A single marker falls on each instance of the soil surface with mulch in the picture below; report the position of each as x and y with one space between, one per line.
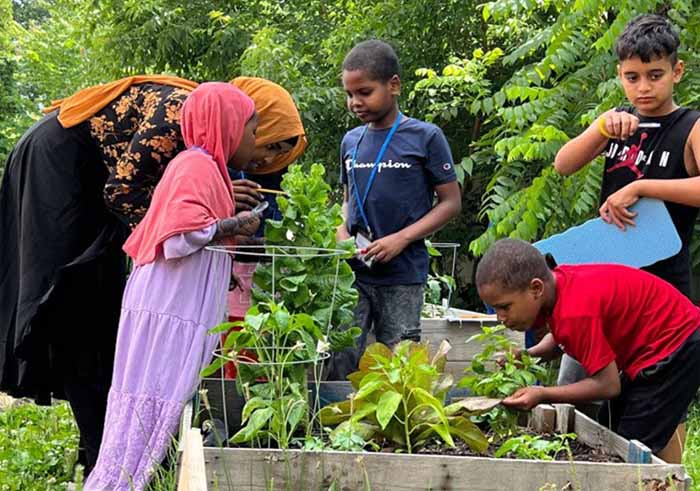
579 451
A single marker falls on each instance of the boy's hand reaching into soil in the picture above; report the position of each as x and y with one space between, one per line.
525 398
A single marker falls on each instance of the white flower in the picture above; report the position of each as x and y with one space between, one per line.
298 346
322 346
290 235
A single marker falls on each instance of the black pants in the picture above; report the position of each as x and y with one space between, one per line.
392 312
650 407
82 351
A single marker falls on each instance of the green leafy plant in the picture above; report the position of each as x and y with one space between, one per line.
486 378
280 347
438 288
535 447
400 401
301 299
320 286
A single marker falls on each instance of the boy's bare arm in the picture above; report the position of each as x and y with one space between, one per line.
579 151
546 349
342 232
449 205
602 386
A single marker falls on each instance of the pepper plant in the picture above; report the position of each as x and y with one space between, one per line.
486 378
274 384
535 447
400 401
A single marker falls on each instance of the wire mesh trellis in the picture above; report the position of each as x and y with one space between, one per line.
272 360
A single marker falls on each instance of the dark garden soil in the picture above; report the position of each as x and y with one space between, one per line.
579 451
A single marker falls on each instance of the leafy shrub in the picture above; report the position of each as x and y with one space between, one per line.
485 378
400 400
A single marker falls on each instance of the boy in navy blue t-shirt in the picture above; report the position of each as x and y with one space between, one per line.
391 168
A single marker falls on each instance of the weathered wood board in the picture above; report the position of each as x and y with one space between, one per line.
229 469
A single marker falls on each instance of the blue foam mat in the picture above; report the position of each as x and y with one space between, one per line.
652 239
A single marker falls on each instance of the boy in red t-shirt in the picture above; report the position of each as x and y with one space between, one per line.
637 337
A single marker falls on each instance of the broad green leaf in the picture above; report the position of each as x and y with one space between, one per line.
253 404
363 409
256 422
469 433
368 389
367 360
388 403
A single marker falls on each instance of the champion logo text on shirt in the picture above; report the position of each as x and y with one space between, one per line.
382 165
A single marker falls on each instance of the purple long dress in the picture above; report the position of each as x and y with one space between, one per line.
162 345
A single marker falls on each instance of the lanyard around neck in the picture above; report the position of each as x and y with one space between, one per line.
375 169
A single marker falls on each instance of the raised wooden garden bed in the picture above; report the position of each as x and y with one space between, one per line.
456 327
253 469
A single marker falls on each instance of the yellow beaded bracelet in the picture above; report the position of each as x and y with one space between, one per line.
601 128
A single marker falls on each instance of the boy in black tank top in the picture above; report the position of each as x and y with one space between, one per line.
651 149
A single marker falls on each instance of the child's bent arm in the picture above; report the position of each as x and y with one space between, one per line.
449 205
602 386
546 349
579 151
682 191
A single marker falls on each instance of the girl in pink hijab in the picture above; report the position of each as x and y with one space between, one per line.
177 290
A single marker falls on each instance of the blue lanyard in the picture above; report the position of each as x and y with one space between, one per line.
375 169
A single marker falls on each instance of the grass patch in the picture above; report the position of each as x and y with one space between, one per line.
691 456
38 448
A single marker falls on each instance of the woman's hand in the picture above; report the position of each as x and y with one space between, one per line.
246 194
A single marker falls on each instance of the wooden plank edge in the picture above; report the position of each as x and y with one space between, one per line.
185 424
193 475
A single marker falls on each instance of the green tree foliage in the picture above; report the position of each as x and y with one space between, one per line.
509 81
44 56
564 76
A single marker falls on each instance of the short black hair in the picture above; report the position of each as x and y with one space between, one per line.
375 57
512 264
648 36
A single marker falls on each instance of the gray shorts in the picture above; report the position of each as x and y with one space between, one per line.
392 312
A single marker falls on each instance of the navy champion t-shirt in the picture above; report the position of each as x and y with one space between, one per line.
417 159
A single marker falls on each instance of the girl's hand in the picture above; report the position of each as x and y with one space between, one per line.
248 223
246 194
244 224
